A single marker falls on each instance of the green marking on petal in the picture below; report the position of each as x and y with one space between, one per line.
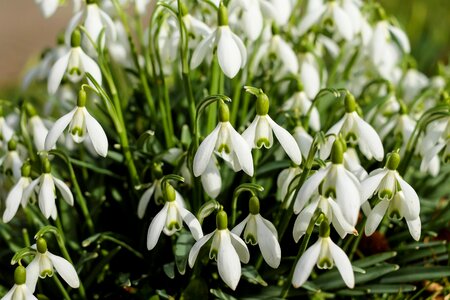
263 142
325 263
385 195
224 147
251 239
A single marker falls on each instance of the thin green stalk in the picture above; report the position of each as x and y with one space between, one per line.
213 90
236 100
61 288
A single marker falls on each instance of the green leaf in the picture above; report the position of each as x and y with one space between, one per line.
251 275
169 270
221 295
196 289
273 166
388 288
182 247
413 274
374 259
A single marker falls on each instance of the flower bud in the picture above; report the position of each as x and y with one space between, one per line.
337 153
81 102
75 39
262 104
324 229
12 145
170 193
350 103
20 275
223 15
254 205
393 161
157 171
46 166
222 220
41 245
224 112
25 170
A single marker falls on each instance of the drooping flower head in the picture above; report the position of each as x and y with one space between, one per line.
20 289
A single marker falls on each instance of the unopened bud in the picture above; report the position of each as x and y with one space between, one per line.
222 220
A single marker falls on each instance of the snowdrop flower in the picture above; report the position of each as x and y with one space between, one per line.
435 140
36 127
211 179
284 181
81 124
227 143
250 17
44 188
262 232
355 130
228 249
12 162
259 133
300 104
47 7
231 52
310 75
303 139
20 290
279 10
341 20
154 189
397 197
170 220
94 20
46 263
74 64
402 125
333 181
324 253
6 132
193 25
353 164
16 195
412 83
141 6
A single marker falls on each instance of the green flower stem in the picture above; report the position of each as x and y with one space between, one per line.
213 90
303 246
26 238
61 288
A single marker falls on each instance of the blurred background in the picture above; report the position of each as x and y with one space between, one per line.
24 33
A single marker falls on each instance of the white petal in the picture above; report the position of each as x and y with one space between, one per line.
288 56
211 179
286 140
303 220
192 222
202 49
401 37
64 190
348 195
29 190
196 248
342 263
47 195
252 22
343 23
242 150
306 264
369 137
414 227
240 247
242 49
309 20
268 243
32 274
97 134
109 28
10 293
65 269
375 217
311 78
143 202
49 7
237 230
13 201
250 132
412 202
57 72
73 23
91 67
370 184
156 227
204 152
228 262
228 53
339 218
57 129
308 188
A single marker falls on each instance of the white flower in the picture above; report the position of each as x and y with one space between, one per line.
38 130
259 134
353 164
396 195
355 130
303 139
81 124
227 143
435 140
284 181
310 75
11 162
401 125
16 195
45 264
211 179
279 10
227 248
248 15
6 132
231 52
301 104
48 7
44 187
262 232
20 290
170 220
325 253
74 64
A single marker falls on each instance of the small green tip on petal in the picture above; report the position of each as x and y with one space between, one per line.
350 103
324 229
12 145
75 39
25 170
224 112
337 153
223 15
262 104
20 275
170 193
222 220
81 102
393 161
254 205
41 245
